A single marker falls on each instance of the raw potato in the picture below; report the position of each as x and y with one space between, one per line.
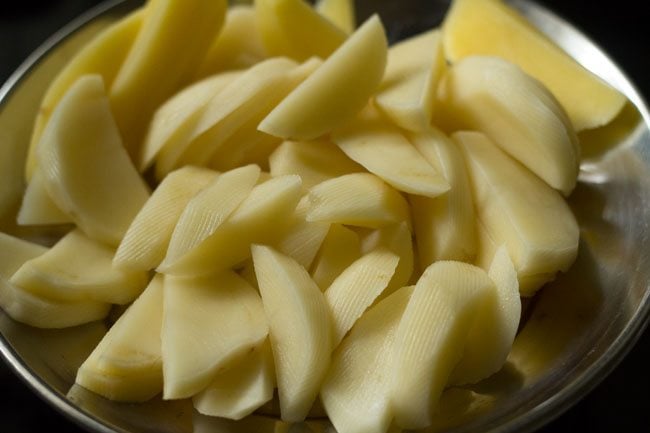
356 401
340 12
516 208
445 226
384 151
146 241
408 91
85 168
491 338
126 365
263 217
238 392
207 211
518 113
208 323
357 287
78 268
341 247
174 38
431 336
337 91
37 207
103 55
398 239
35 310
360 199
294 29
589 101
300 329
314 161
238 46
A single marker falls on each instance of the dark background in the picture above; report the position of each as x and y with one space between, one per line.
621 403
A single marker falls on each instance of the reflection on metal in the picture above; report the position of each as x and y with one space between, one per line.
576 330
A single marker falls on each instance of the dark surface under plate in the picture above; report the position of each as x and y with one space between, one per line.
621 403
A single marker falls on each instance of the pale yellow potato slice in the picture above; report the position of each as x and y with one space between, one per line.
78 268
407 93
398 239
103 55
146 241
488 27
174 38
37 208
179 114
208 323
357 287
491 338
340 12
519 210
355 401
126 365
208 210
85 168
238 46
338 90
35 310
294 29
431 337
304 238
241 390
383 150
314 161
263 217
496 97
445 226
341 247
359 199
300 330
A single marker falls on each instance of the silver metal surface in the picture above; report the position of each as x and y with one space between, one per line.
577 329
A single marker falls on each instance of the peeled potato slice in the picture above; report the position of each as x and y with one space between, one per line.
173 119
37 207
208 323
338 90
304 238
444 225
398 239
126 365
103 55
208 210
357 288
431 336
287 25
313 161
300 329
408 91
341 247
519 210
85 168
35 310
359 199
355 401
589 101
238 392
340 12
383 150
264 216
146 241
495 97
78 268
491 338
174 38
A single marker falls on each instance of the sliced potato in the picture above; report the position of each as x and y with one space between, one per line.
341 247
37 207
398 239
340 12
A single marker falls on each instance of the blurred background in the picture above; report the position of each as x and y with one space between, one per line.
621 403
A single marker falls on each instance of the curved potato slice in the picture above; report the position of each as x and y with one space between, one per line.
37 207
340 12
341 247
398 239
